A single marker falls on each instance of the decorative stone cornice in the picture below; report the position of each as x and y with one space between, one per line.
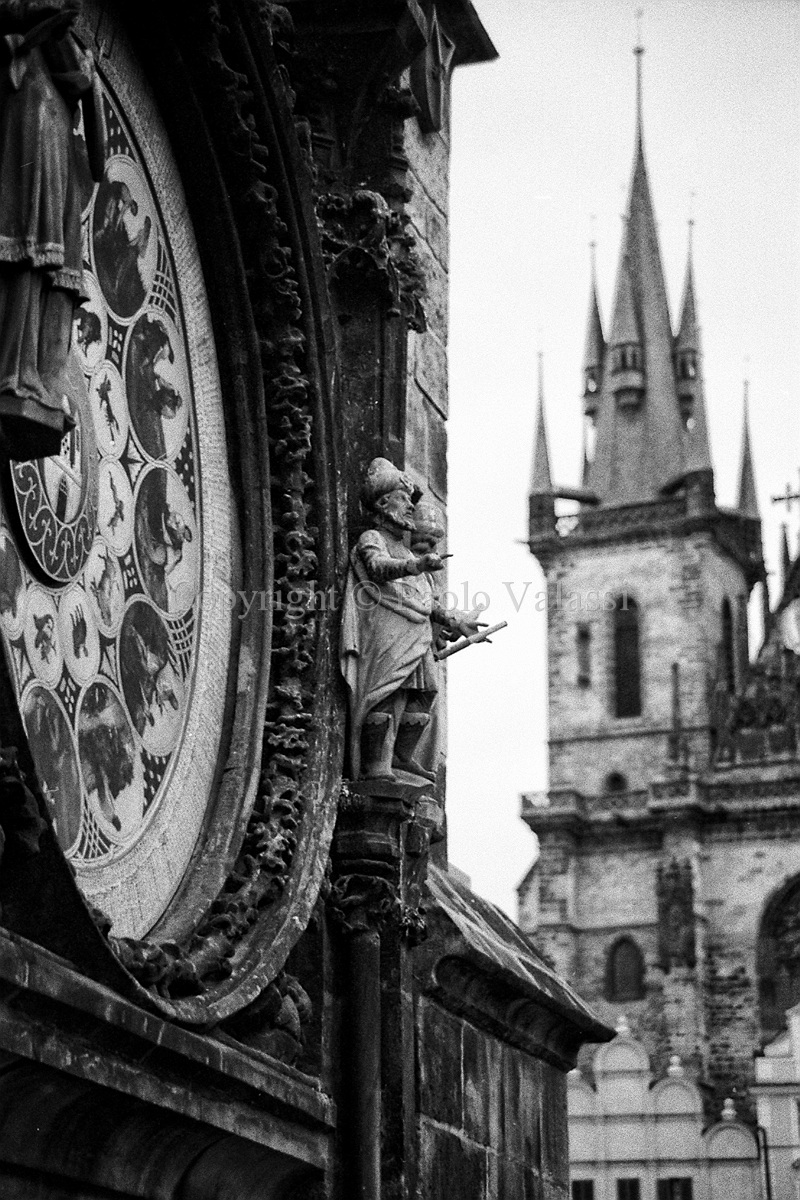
709 800
478 964
677 516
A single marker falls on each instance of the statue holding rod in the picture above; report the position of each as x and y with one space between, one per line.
44 76
387 647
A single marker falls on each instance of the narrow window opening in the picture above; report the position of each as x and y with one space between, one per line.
677 1188
583 638
627 664
625 972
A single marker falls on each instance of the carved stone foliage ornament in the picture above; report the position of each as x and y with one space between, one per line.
171 708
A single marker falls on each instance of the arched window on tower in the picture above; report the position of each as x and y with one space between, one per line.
728 649
778 960
627 658
625 971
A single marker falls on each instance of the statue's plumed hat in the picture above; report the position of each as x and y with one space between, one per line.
384 477
428 521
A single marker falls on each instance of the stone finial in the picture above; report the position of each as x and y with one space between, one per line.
622 1027
729 1110
675 1069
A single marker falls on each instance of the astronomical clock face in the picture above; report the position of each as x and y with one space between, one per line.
117 554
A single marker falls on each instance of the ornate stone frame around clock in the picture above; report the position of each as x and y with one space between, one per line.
260 861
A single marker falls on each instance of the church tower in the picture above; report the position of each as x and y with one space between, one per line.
649 580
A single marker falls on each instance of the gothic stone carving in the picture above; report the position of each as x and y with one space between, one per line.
265 860
676 924
387 642
44 76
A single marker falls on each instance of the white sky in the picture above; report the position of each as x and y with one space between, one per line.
541 139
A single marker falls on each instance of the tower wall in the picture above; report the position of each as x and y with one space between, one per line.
678 583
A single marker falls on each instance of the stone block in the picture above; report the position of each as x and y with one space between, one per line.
430 368
523 1107
428 159
451 1167
435 300
554 1147
416 433
483 1056
518 1182
439 1057
430 225
437 453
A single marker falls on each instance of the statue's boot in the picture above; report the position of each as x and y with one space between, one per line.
412 727
377 741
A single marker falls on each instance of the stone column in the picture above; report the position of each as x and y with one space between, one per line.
380 854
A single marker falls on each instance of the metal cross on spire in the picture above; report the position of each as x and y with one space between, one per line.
788 497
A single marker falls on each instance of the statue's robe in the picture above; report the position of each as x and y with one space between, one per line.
387 638
41 275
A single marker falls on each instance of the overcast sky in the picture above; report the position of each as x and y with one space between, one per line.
542 139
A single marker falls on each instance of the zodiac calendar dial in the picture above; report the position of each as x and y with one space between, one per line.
104 549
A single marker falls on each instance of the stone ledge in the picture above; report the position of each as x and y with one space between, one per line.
53 1015
478 964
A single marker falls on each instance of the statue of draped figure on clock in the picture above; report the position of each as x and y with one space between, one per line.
46 80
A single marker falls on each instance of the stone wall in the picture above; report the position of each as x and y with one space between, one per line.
426 392
585 892
679 584
492 1118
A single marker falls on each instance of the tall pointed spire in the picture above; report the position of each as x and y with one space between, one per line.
786 558
688 335
691 391
748 500
595 351
541 478
641 441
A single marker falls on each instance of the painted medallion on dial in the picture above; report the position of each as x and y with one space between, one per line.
100 611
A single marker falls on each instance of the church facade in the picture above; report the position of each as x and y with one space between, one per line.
666 881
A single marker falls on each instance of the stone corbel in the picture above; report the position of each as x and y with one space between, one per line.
380 856
339 96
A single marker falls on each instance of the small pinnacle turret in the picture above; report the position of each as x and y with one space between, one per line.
747 502
688 371
627 355
786 558
541 497
595 352
541 476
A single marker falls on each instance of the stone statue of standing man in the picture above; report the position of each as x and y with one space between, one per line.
44 76
388 633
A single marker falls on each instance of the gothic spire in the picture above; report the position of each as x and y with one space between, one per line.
595 351
541 478
786 558
688 368
641 440
688 335
748 500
